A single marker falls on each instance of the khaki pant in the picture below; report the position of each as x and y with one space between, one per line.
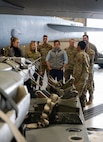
68 73
81 87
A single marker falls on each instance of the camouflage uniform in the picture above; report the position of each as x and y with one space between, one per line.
44 48
7 51
80 73
31 84
93 47
90 82
32 54
71 53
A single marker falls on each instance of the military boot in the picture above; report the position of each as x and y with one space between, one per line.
90 100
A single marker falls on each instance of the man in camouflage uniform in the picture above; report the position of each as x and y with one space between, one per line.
93 54
90 82
71 53
92 46
81 71
44 48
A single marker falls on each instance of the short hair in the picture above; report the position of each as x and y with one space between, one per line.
86 35
56 41
45 36
82 45
71 39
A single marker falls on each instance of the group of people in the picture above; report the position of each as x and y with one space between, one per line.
80 65
61 63
74 62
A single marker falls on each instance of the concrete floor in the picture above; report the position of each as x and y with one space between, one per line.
98 99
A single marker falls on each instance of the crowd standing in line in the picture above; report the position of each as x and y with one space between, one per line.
75 61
